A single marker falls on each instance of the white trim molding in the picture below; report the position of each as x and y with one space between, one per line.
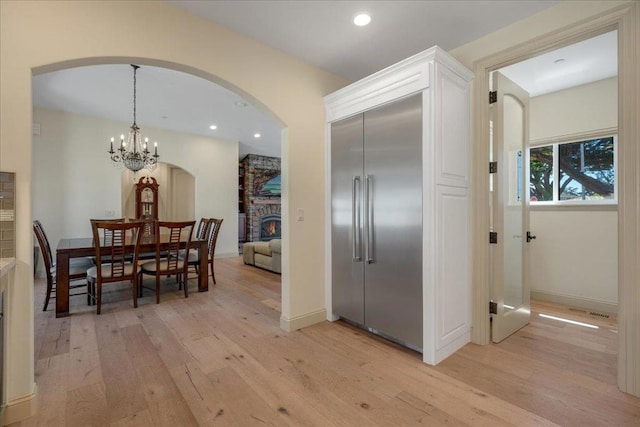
572 301
20 408
302 321
402 79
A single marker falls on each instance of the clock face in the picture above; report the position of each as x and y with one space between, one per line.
147 195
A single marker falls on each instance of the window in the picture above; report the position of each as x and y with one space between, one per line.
581 171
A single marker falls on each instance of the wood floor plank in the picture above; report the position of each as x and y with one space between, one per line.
243 404
471 405
204 399
123 388
87 406
84 357
165 402
140 419
166 343
56 339
219 358
51 376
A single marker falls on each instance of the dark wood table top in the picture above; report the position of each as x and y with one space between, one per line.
84 246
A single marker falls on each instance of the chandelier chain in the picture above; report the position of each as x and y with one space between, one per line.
134 153
135 70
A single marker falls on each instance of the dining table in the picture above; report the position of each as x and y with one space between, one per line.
69 248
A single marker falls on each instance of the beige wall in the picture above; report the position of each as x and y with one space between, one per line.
574 260
73 179
36 36
586 108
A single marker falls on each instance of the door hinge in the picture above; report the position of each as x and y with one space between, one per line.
493 307
493 237
493 96
493 167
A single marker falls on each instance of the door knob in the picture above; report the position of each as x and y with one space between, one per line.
530 236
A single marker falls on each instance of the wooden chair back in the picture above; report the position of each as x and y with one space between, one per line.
212 238
179 234
212 235
45 248
117 246
49 264
203 228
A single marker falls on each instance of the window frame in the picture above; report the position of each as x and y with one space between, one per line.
556 170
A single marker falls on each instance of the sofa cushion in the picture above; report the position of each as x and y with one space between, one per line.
262 248
247 253
275 245
267 255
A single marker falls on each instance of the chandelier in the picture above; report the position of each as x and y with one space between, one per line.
134 153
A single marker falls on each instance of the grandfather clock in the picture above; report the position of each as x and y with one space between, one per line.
147 198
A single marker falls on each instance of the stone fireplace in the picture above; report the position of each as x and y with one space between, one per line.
261 198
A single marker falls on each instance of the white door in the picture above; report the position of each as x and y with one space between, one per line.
510 208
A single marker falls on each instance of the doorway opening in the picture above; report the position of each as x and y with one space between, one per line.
205 134
565 177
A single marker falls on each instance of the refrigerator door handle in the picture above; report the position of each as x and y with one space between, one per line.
355 219
369 206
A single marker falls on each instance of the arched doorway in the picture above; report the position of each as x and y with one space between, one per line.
176 192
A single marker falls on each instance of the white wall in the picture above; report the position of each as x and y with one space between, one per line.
73 179
574 259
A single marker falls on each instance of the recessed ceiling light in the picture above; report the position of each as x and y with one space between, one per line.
213 127
362 19
256 135
559 61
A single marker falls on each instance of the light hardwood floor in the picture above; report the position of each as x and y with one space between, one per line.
219 358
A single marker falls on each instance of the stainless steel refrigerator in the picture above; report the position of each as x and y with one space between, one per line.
376 222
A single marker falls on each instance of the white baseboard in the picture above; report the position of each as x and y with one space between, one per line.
302 321
587 303
19 409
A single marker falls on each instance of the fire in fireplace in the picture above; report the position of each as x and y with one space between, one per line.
269 227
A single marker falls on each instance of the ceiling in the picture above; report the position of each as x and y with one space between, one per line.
319 32
165 99
584 62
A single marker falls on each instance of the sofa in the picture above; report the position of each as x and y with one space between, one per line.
267 255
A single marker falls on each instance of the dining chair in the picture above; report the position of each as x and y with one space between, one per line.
77 266
211 236
201 234
177 235
117 245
